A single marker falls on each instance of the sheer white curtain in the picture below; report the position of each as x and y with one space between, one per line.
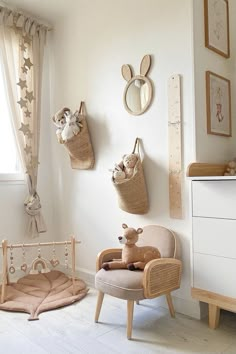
22 42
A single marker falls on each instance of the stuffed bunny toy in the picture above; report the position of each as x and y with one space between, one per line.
71 127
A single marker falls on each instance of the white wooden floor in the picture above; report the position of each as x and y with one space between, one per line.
72 330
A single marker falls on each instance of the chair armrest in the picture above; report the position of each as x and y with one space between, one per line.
161 276
107 255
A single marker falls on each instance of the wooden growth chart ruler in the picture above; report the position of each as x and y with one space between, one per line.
175 151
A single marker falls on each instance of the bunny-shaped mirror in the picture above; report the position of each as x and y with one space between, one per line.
138 91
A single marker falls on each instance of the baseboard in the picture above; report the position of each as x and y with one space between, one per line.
86 275
186 307
191 308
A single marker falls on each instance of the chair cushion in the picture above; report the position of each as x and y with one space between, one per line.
121 283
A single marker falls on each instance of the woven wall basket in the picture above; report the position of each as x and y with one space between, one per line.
132 193
80 147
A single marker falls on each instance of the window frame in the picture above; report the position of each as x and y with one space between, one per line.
12 178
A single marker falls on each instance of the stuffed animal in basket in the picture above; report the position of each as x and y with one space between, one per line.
60 121
67 124
129 162
133 257
72 127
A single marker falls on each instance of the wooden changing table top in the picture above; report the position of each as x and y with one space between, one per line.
207 171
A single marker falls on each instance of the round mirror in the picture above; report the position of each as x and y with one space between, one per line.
138 90
138 95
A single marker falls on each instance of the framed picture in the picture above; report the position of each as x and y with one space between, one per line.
218 104
216 15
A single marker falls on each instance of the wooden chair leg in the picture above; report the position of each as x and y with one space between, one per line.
214 316
170 305
99 305
130 312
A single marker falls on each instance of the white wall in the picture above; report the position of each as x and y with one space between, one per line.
91 43
212 148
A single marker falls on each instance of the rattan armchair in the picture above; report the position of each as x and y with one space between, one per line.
160 276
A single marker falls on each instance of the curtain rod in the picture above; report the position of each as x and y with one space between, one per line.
12 8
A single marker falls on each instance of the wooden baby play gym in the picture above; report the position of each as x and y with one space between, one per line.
42 288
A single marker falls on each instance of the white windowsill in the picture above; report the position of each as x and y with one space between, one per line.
12 178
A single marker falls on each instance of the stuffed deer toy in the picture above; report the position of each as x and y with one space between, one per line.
133 257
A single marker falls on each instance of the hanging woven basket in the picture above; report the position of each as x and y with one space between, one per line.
79 146
132 193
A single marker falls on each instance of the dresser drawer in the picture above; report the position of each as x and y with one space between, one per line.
214 199
214 236
215 274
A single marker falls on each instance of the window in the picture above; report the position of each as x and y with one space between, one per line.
10 167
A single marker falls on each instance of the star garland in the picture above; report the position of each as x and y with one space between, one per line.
27 113
29 96
25 101
25 128
27 63
28 149
23 47
22 84
22 103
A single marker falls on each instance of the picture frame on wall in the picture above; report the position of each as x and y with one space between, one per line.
218 103
216 16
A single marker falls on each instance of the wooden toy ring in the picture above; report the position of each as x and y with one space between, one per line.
12 270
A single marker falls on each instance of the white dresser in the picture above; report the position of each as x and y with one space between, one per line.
214 243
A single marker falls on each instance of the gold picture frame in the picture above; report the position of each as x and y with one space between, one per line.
218 103
216 16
